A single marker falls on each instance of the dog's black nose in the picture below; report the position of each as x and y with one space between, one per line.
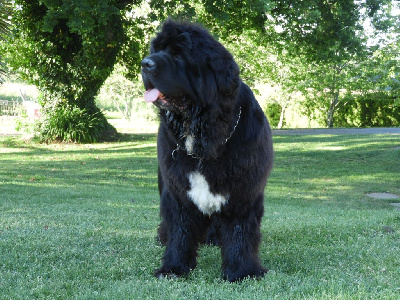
148 64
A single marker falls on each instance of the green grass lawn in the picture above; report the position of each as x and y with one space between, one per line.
79 222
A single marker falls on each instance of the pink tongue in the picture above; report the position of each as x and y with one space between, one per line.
151 95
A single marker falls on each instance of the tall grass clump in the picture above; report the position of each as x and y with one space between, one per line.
68 123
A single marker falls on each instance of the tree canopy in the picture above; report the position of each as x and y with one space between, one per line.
5 12
68 47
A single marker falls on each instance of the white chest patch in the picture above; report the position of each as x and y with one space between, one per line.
189 143
201 195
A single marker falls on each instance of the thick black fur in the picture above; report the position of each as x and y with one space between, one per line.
204 98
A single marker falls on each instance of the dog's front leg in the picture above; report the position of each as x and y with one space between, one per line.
184 227
240 240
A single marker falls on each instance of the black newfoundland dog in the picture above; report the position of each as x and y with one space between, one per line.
214 152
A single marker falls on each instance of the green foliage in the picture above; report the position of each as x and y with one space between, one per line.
325 31
125 96
139 27
69 46
327 87
330 40
273 111
380 72
5 12
71 124
369 110
224 15
255 58
68 49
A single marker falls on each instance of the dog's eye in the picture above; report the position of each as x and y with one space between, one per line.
177 57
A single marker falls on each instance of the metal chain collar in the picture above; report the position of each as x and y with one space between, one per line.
178 147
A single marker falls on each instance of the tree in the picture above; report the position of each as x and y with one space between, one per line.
68 48
139 24
239 24
5 12
378 79
287 77
324 37
122 92
329 35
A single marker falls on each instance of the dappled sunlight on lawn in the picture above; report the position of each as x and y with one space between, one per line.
72 208
331 148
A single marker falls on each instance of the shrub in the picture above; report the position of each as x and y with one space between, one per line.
371 110
71 124
273 112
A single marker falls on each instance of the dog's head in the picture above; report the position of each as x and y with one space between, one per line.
188 68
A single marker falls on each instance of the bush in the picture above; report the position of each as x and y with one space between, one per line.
273 113
71 124
372 110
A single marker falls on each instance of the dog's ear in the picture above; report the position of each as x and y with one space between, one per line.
219 81
184 41
226 75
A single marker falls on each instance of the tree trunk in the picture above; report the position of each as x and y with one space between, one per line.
334 97
332 108
282 115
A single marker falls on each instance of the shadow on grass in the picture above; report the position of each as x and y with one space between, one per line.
333 170
110 166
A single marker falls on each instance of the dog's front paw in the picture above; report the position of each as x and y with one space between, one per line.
162 275
170 273
238 275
